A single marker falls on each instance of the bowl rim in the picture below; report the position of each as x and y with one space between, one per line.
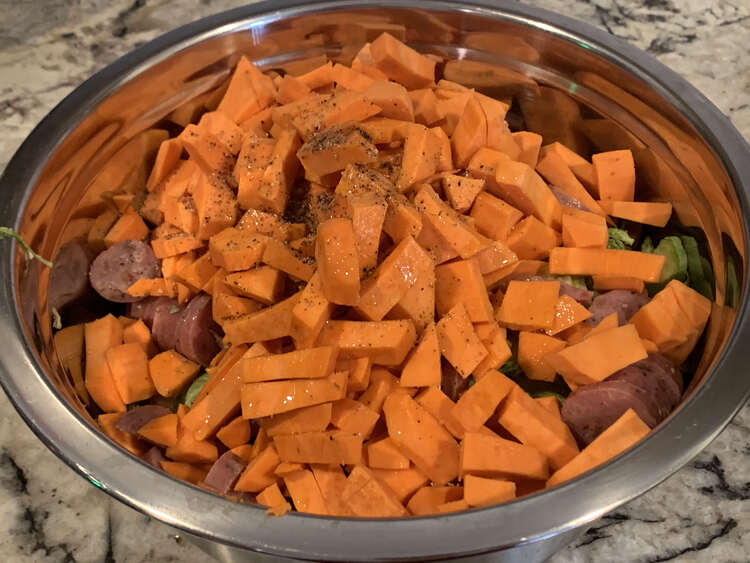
682 436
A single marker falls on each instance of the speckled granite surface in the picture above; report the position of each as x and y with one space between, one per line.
49 514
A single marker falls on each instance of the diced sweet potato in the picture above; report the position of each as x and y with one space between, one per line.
299 364
518 184
365 496
401 63
535 426
615 175
427 110
422 438
384 342
470 133
479 401
392 99
447 222
235 250
384 454
353 416
491 456
599 356
529 305
533 348
584 230
557 172
249 92
646 212
493 217
397 273
267 324
605 262
568 312
335 148
531 239
403 482
305 493
461 281
100 336
310 313
422 367
274 397
338 265
480 491
319 447
459 342
461 191
264 284
622 434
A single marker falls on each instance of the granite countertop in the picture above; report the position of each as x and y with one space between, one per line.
50 514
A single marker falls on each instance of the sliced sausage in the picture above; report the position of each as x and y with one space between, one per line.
154 457
451 383
166 322
132 420
224 473
196 338
144 309
591 409
564 198
68 278
657 362
584 296
657 387
120 266
624 303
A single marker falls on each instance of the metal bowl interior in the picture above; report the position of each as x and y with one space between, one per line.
573 84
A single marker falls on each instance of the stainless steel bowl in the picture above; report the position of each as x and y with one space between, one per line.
609 94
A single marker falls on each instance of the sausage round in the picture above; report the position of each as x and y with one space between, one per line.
624 303
68 278
144 309
196 338
591 409
583 296
224 473
154 457
134 419
120 266
166 321
655 381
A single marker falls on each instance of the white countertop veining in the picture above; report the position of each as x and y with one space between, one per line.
50 514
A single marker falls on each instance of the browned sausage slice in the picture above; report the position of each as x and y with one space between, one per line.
68 278
166 322
132 420
591 409
154 457
624 303
583 296
120 266
656 382
657 362
196 338
144 309
224 473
